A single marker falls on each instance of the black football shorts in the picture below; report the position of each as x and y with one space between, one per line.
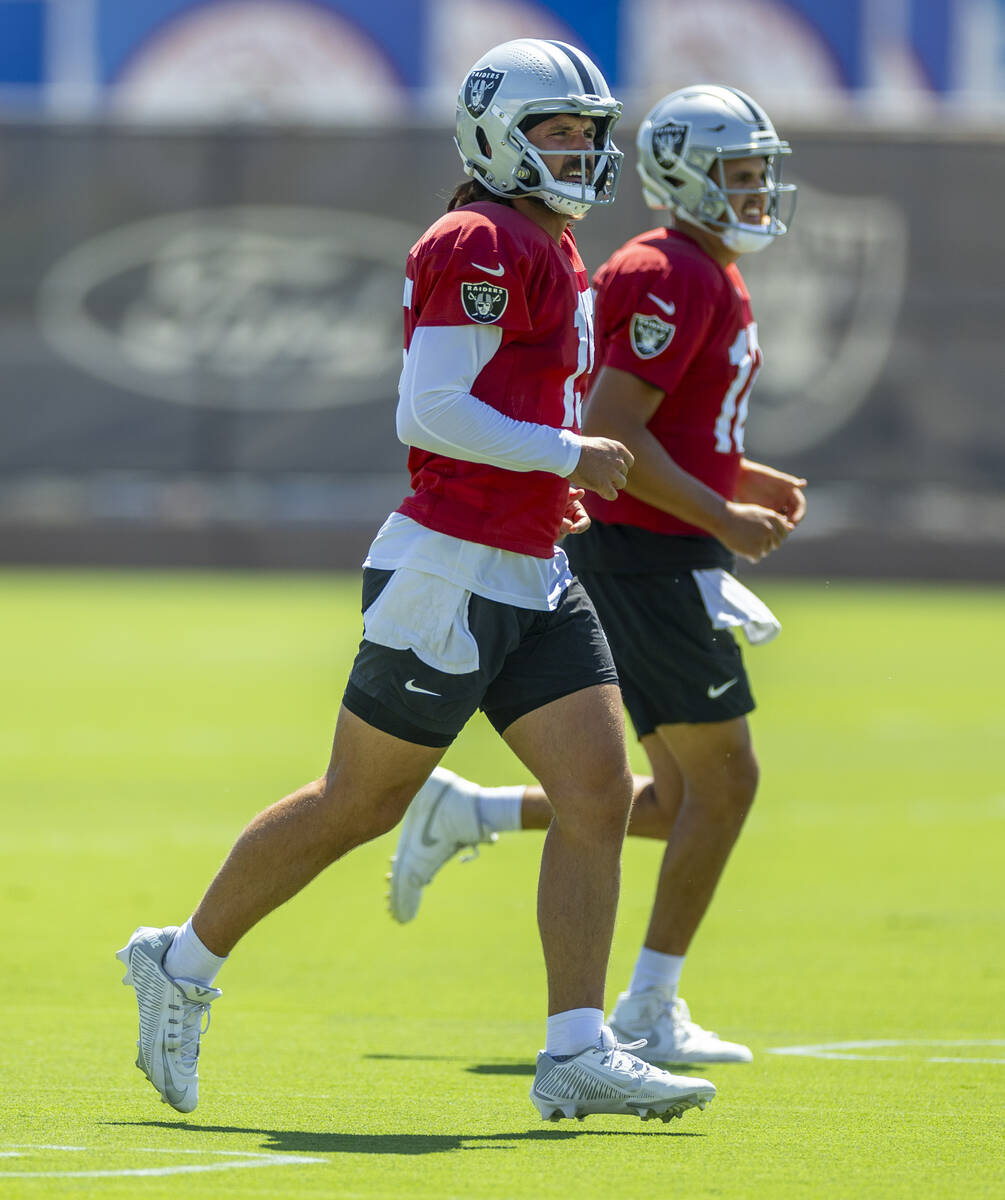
674 667
526 659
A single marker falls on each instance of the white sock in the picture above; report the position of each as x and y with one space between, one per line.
655 970
188 958
499 808
571 1031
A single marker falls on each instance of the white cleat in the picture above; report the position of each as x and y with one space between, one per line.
609 1078
671 1036
171 1014
441 820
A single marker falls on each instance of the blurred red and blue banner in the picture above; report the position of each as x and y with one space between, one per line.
365 59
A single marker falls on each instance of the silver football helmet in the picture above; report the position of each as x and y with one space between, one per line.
535 78
682 144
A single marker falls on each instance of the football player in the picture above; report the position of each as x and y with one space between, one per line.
678 352
467 601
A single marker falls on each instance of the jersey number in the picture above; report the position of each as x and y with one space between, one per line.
572 417
744 354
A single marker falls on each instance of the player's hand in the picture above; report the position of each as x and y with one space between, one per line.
772 489
603 466
752 531
575 519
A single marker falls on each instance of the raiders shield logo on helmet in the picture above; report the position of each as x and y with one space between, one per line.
479 88
650 336
669 141
484 302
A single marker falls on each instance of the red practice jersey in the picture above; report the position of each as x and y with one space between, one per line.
669 313
488 264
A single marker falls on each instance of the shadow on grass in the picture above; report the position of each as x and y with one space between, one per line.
520 1068
507 1068
299 1141
418 1057
495 1068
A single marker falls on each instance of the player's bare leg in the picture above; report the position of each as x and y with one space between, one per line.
720 771
370 780
652 816
575 747
700 831
586 776
279 852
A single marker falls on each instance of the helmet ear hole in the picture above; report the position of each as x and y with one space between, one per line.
483 142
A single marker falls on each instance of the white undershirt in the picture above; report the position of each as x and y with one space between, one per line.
437 412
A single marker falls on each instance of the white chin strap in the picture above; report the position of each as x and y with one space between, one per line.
748 239
565 204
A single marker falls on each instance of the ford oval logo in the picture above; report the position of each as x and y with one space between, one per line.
262 308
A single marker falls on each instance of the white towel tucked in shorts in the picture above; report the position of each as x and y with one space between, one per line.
730 604
425 614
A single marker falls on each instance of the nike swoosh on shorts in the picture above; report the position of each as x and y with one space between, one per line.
412 686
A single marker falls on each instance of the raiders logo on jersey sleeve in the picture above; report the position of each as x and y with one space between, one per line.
650 336
484 302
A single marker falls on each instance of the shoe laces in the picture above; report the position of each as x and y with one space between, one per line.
618 1056
194 1022
458 819
485 836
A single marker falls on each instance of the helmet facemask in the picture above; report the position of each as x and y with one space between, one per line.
741 236
599 167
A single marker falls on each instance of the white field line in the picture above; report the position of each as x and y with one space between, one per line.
240 1160
845 1050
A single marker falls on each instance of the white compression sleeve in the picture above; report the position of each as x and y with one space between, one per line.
437 412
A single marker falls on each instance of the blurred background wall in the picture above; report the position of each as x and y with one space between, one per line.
207 205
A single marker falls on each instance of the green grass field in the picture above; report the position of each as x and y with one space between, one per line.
148 716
